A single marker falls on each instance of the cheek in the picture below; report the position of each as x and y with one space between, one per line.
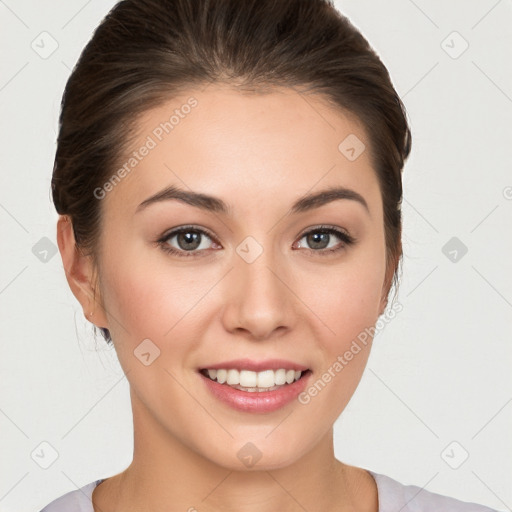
149 301
147 297
348 304
347 297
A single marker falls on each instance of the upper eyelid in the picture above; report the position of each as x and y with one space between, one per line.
179 229
175 231
326 227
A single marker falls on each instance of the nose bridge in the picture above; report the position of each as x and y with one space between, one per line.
258 301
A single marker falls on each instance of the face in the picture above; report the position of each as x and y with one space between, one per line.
260 280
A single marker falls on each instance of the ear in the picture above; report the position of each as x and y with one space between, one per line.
80 273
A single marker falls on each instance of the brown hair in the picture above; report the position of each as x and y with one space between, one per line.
145 51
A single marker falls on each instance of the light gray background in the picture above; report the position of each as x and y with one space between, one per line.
438 373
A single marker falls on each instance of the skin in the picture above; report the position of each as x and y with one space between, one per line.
291 302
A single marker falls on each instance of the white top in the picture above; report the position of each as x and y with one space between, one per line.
392 495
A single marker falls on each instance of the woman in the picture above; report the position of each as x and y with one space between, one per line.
228 179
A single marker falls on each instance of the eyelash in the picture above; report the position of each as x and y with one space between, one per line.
347 240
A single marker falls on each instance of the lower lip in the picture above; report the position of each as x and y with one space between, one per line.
257 401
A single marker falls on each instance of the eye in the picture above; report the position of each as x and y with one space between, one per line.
319 239
189 240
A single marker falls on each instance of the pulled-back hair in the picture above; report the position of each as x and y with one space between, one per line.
144 52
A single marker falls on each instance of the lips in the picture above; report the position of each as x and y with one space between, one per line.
255 399
255 366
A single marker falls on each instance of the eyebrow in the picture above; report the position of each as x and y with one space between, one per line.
214 204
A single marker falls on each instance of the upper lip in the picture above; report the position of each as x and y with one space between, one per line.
256 366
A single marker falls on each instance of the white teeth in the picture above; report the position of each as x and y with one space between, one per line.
280 377
233 377
248 379
265 379
221 376
253 381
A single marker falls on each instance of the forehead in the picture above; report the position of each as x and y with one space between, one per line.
245 146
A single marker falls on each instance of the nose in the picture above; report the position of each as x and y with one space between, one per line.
258 300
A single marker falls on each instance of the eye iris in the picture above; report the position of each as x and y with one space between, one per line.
189 238
318 238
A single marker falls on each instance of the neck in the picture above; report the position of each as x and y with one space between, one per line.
166 474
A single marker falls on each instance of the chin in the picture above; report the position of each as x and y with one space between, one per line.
257 454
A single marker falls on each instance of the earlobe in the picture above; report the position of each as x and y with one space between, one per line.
80 273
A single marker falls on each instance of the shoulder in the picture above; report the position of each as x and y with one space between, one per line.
78 500
410 498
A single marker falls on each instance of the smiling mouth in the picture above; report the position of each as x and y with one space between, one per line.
247 380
